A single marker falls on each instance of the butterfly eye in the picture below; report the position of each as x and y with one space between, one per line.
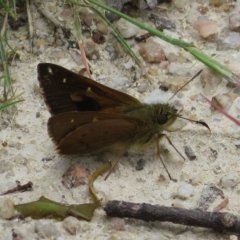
162 119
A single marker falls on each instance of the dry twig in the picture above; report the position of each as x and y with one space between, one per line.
30 27
19 188
218 221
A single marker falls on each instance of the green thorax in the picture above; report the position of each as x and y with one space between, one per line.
157 117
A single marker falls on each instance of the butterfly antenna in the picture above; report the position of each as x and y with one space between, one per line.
198 73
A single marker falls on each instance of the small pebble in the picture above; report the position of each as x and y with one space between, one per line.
163 88
38 114
129 64
185 191
216 3
206 28
21 121
152 51
202 9
234 19
6 208
179 3
91 50
47 159
140 164
230 180
102 27
75 176
118 224
126 28
196 179
142 87
210 81
48 230
189 152
162 22
112 52
238 104
233 237
71 224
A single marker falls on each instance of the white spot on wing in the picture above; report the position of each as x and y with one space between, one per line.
50 71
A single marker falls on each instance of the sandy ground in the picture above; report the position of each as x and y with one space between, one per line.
28 144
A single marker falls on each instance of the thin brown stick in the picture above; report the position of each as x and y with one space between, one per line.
19 188
150 213
30 26
5 22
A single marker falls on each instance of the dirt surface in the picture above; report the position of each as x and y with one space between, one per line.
30 155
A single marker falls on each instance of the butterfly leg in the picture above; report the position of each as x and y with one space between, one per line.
170 142
112 168
159 155
119 154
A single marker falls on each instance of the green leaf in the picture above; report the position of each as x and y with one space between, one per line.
46 208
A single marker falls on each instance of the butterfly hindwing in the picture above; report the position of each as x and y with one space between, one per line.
91 132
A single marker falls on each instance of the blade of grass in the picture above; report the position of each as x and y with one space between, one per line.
144 26
214 65
228 74
78 34
11 12
6 41
117 33
11 102
7 80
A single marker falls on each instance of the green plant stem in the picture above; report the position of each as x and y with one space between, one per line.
7 80
213 64
117 33
8 9
151 30
208 61
115 30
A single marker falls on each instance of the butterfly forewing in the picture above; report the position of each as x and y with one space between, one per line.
65 91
